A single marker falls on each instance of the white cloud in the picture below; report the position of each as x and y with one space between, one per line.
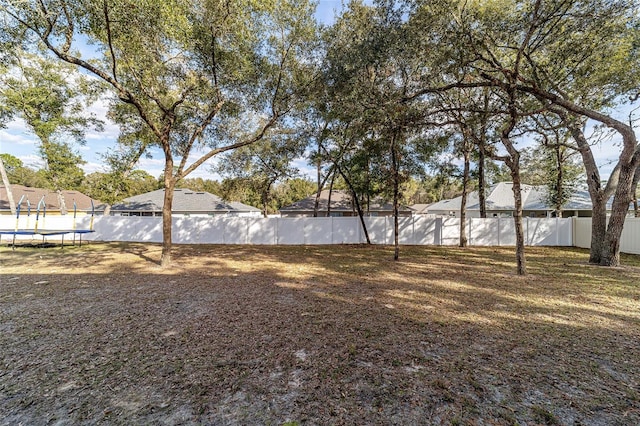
91 167
32 161
17 125
9 137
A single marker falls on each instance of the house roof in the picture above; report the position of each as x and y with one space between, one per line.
184 200
419 208
340 201
51 201
500 198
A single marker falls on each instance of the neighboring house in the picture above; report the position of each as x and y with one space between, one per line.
499 202
56 202
341 205
185 203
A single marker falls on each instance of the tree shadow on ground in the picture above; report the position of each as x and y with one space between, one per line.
315 334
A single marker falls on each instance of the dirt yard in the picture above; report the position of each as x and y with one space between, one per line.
336 335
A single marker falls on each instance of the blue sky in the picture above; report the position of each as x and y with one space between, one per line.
16 140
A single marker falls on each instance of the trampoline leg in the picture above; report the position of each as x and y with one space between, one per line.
62 244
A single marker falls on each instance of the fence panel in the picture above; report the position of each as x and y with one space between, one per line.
484 232
426 230
379 230
548 231
506 231
450 233
262 230
630 241
582 232
291 230
198 230
406 230
346 230
318 230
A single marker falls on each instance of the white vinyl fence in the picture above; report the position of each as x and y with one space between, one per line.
629 243
306 230
328 230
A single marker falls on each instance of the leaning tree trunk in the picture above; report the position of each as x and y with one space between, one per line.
619 209
628 162
357 203
597 193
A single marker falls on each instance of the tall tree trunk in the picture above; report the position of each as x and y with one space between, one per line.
316 205
265 199
513 162
167 207
7 187
559 182
368 186
465 193
396 192
636 181
482 182
333 179
320 183
517 216
482 192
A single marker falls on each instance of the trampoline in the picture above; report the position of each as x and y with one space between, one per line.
46 232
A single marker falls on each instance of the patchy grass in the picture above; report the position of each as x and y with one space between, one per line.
317 335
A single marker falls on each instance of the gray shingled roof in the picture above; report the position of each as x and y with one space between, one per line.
51 201
500 198
184 200
340 202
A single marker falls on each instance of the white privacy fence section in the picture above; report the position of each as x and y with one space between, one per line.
325 230
629 242
415 230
